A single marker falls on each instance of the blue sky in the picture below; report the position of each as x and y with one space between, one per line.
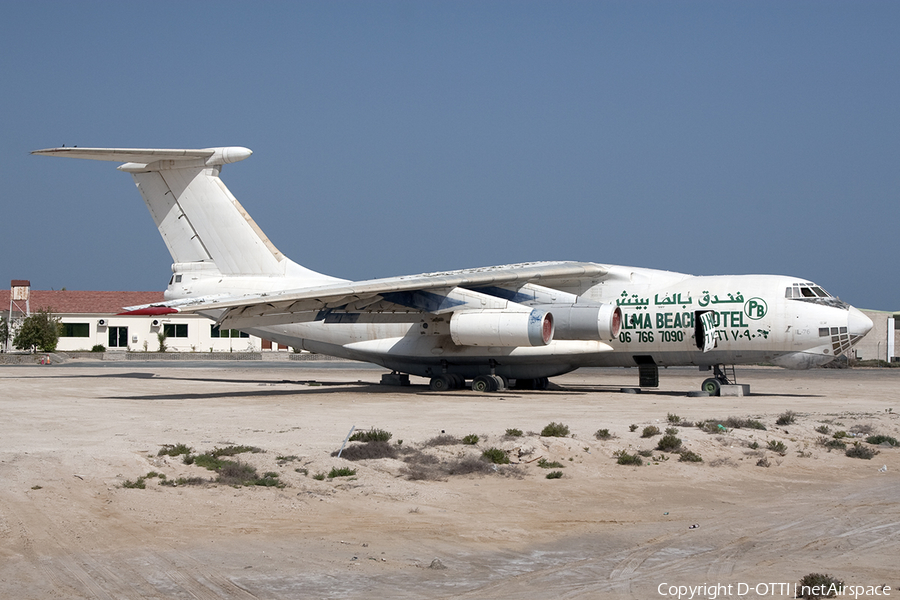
394 138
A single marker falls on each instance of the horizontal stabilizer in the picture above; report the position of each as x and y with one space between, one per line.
211 156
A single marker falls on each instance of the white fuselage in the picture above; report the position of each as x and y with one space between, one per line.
755 322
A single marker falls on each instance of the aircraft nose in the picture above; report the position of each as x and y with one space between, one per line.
858 324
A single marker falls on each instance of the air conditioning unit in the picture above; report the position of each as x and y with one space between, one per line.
155 322
102 323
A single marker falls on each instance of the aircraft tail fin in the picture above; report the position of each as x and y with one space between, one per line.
198 217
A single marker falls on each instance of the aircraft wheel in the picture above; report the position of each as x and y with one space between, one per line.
711 386
541 383
459 382
484 383
500 382
441 383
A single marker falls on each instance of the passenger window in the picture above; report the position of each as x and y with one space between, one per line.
823 332
178 279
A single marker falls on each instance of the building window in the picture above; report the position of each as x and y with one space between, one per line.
74 330
215 332
118 337
171 330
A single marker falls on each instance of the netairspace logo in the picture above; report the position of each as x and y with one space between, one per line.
711 591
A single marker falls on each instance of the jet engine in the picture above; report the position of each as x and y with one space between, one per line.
501 327
586 322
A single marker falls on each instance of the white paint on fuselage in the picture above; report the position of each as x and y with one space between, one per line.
755 323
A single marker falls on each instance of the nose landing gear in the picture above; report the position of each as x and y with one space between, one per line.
713 385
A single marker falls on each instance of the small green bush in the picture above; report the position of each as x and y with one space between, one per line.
857 450
673 418
786 418
840 434
174 450
823 429
496 456
650 431
555 430
371 435
629 459
671 430
877 440
777 446
514 432
632 427
137 484
831 444
341 472
669 443
645 453
319 476
689 456
603 434
98 348
554 474
470 439
546 464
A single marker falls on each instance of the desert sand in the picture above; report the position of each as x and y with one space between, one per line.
73 434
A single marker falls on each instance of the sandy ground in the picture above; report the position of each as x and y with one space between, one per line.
73 434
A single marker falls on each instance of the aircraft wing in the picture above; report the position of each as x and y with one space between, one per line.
428 293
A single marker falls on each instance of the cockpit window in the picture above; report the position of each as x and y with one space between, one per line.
810 292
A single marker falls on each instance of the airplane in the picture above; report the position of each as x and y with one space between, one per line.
514 324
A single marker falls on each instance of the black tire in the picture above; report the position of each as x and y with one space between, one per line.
711 386
483 383
441 383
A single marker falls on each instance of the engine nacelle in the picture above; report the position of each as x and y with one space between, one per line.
498 327
586 322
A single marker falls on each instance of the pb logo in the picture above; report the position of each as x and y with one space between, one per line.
755 308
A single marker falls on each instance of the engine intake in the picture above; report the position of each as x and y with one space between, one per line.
498 327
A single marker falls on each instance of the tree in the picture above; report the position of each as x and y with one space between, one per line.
40 330
4 333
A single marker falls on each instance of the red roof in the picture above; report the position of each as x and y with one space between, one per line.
80 302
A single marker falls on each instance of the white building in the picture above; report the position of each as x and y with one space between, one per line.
91 319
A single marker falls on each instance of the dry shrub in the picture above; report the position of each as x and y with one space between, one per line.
369 450
445 439
236 473
467 466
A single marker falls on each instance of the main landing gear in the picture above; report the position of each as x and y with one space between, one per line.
486 383
713 385
447 381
